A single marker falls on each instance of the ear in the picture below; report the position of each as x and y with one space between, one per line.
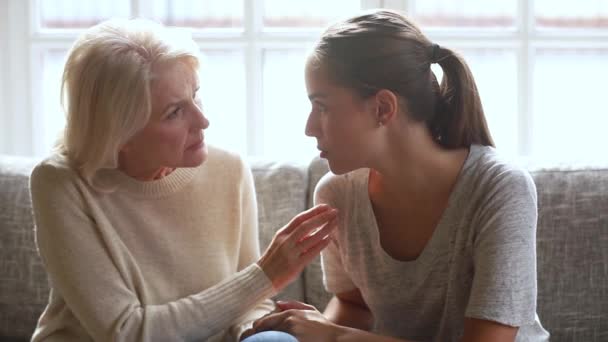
387 106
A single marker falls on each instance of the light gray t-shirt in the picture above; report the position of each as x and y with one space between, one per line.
479 263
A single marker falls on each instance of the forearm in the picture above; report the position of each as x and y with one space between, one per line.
350 315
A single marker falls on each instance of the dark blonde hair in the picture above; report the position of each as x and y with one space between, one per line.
106 87
384 50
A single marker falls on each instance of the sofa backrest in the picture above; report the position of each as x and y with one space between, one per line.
572 252
281 193
572 245
23 282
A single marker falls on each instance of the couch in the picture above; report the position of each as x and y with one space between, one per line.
572 245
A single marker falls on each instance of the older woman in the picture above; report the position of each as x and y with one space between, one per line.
145 232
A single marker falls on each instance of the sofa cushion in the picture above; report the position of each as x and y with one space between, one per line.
281 190
23 282
572 248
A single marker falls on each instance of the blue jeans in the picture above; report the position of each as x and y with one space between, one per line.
271 336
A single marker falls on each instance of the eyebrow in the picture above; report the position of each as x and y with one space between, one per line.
171 104
316 95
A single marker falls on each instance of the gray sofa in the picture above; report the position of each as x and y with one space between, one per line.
572 245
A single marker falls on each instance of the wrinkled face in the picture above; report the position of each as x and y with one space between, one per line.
174 135
340 120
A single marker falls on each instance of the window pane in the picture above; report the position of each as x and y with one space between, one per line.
570 113
306 14
465 13
80 13
222 90
571 14
286 106
51 116
199 13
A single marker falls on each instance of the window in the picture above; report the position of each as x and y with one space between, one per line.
539 65
252 83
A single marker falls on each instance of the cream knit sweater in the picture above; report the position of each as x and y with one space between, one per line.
166 260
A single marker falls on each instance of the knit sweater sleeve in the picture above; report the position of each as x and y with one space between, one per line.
78 260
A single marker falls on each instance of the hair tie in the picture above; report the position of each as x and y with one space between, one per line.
435 53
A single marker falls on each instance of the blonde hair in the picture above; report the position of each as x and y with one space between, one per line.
105 88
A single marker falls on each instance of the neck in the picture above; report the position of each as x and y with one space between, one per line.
415 166
142 172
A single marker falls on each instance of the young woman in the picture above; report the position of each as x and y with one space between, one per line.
436 236
146 233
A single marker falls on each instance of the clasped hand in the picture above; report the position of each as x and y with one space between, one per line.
301 320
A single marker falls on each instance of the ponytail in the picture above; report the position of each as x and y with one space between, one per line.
459 119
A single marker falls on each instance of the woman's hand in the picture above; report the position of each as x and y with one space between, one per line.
300 320
295 245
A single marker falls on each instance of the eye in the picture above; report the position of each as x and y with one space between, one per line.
174 114
319 107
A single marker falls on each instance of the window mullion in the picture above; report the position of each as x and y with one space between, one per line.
254 110
367 4
524 78
138 8
4 114
18 104
399 5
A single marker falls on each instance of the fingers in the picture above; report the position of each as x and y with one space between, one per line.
270 321
247 333
294 304
313 223
305 215
312 240
310 254
283 259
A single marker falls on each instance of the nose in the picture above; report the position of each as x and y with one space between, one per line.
311 126
201 120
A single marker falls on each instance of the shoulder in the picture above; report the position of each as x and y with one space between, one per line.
54 183
224 173
54 171
225 163
332 187
219 157
495 173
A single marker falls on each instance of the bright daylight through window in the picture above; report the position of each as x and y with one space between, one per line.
539 66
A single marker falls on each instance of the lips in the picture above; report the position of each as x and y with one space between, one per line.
323 152
197 144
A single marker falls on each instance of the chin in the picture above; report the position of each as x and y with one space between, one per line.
195 158
338 169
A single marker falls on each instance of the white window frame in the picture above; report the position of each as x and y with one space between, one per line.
21 40
525 38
